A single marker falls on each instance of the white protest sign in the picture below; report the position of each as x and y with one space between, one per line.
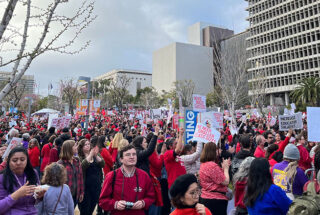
205 134
243 118
51 117
214 119
313 114
293 106
13 143
12 123
286 112
199 103
293 121
156 114
96 103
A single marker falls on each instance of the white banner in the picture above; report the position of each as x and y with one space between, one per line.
213 119
199 103
205 134
293 121
51 117
313 114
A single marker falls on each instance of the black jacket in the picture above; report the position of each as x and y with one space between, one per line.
144 154
237 160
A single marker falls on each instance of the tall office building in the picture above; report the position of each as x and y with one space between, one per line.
26 83
283 45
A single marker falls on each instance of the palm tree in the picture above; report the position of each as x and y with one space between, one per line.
308 92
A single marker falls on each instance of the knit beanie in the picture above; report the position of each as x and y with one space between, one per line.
291 152
181 184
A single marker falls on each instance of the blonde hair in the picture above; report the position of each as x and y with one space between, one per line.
123 143
116 140
66 150
291 171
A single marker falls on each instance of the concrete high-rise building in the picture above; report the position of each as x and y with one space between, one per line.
26 82
283 45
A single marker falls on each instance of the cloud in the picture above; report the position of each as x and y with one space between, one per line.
126 33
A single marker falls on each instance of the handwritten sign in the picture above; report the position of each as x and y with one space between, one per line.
214 119
199 103
206 134
293 121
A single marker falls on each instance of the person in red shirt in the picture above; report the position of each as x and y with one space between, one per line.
45 153
305 160
34 154
260 152
172 163
105 155
127 190
114 146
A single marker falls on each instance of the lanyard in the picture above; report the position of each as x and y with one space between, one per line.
24 180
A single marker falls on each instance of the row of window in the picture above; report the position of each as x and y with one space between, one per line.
263 5
285 32
287 43
287 56
259 16
285 20
297 66
288 80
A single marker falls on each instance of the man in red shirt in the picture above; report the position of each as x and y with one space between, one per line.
127 190
260 152
172 162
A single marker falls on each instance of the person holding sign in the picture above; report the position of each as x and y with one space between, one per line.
17 184
214 180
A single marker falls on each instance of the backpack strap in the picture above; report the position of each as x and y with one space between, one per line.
113 181
55 207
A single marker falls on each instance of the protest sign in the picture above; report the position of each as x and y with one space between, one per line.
293 106
293 121
190 124
272 121
51 117
214 119
206 134
13 143
313 114
155 113
199 103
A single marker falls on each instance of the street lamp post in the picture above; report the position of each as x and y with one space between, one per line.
88 80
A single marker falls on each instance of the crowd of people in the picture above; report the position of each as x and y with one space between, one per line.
116 167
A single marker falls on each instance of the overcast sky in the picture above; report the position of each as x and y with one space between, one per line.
126 33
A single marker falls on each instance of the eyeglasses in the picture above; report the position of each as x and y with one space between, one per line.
195 193
130 154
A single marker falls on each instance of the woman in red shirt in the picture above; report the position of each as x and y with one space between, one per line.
45 153
214 180
114 146
34 154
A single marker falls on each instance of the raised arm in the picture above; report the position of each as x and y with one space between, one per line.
179 146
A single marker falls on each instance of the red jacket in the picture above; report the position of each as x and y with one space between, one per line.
156 163
34 156
45 154
305 160
113 152
174 166
188 211
125 188
107 159
239 193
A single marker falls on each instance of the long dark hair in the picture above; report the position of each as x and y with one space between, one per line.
137 142
259 181
9 180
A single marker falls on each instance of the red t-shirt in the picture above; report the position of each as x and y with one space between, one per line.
45 154
174 166
259 153
239 192
34 156
156 163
